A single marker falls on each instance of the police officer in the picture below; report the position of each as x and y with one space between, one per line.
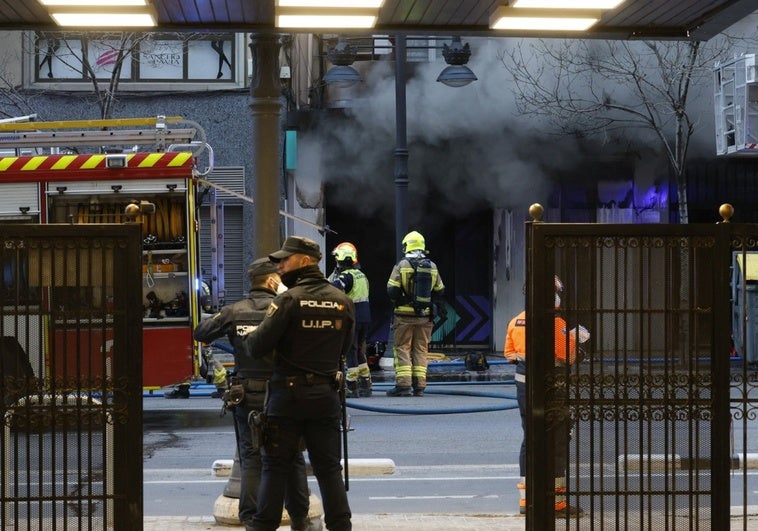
251 373
348 277
310 327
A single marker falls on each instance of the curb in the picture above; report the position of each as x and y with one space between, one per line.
222 468
664 462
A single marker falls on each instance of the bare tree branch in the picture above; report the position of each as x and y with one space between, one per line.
586 87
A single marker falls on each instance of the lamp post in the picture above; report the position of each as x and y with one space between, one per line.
265 107
401 148
457 74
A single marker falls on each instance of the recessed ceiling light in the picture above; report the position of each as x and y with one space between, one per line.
110 19
93 2
509 18
325 21
375 4
562 4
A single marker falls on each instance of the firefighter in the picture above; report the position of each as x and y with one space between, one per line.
565 353
348 277
251 375
416 289
311 328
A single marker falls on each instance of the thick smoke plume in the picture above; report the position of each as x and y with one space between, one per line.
468 149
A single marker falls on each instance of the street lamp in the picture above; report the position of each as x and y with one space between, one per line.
342 55
457 74
456 55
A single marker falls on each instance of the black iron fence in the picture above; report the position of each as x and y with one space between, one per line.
70 360
641 423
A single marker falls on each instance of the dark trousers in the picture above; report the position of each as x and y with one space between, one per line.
311 413
560 425
297 494
357 354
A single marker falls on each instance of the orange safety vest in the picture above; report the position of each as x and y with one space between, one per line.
515 339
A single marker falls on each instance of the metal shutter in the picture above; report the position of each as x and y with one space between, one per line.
232 178
15 196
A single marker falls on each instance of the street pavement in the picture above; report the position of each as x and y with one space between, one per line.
407 522
366 522
413 521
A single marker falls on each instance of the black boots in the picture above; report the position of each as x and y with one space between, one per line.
399 391
180 391
360 388
364 386
417 389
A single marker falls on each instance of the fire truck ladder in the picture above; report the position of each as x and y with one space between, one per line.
68 133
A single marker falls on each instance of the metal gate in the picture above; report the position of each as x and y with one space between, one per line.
637 430
71 366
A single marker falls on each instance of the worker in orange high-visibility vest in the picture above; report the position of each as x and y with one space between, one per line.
565 352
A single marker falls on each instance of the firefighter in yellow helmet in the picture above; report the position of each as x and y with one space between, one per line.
415 288
348 277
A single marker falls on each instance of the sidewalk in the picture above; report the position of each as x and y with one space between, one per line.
409 522
364 522
406 522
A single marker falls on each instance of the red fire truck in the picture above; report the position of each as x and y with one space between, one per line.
88 172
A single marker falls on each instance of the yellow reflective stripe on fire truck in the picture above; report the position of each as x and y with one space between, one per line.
6 162
150 160
34 163
180 158
92 162
63 162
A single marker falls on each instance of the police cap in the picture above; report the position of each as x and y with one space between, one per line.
297 245
261 267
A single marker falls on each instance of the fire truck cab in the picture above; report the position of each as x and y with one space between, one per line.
82 172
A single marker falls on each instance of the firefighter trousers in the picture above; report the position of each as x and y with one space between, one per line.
411 336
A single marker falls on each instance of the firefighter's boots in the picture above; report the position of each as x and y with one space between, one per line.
364 386
351 389
399 391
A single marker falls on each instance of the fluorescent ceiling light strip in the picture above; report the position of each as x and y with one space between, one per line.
350 4
563 4
93 2
325 17
509 18
325 21
110 19
544 24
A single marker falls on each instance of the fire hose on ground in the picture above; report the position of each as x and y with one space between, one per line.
434 411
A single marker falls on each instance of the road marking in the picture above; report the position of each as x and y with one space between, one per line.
456 497
352 480
438 478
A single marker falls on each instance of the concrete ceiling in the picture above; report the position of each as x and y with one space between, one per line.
633 19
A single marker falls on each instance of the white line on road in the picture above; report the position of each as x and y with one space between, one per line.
352 480
456 497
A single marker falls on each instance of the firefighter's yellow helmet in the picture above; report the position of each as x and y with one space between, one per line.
414 241
344 251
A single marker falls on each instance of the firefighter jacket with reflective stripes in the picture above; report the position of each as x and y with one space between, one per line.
515 340
401 292
310 327
355 285
235 321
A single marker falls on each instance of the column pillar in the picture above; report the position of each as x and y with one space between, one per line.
265 107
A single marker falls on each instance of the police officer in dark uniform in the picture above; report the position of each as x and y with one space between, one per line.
310 327
251 373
